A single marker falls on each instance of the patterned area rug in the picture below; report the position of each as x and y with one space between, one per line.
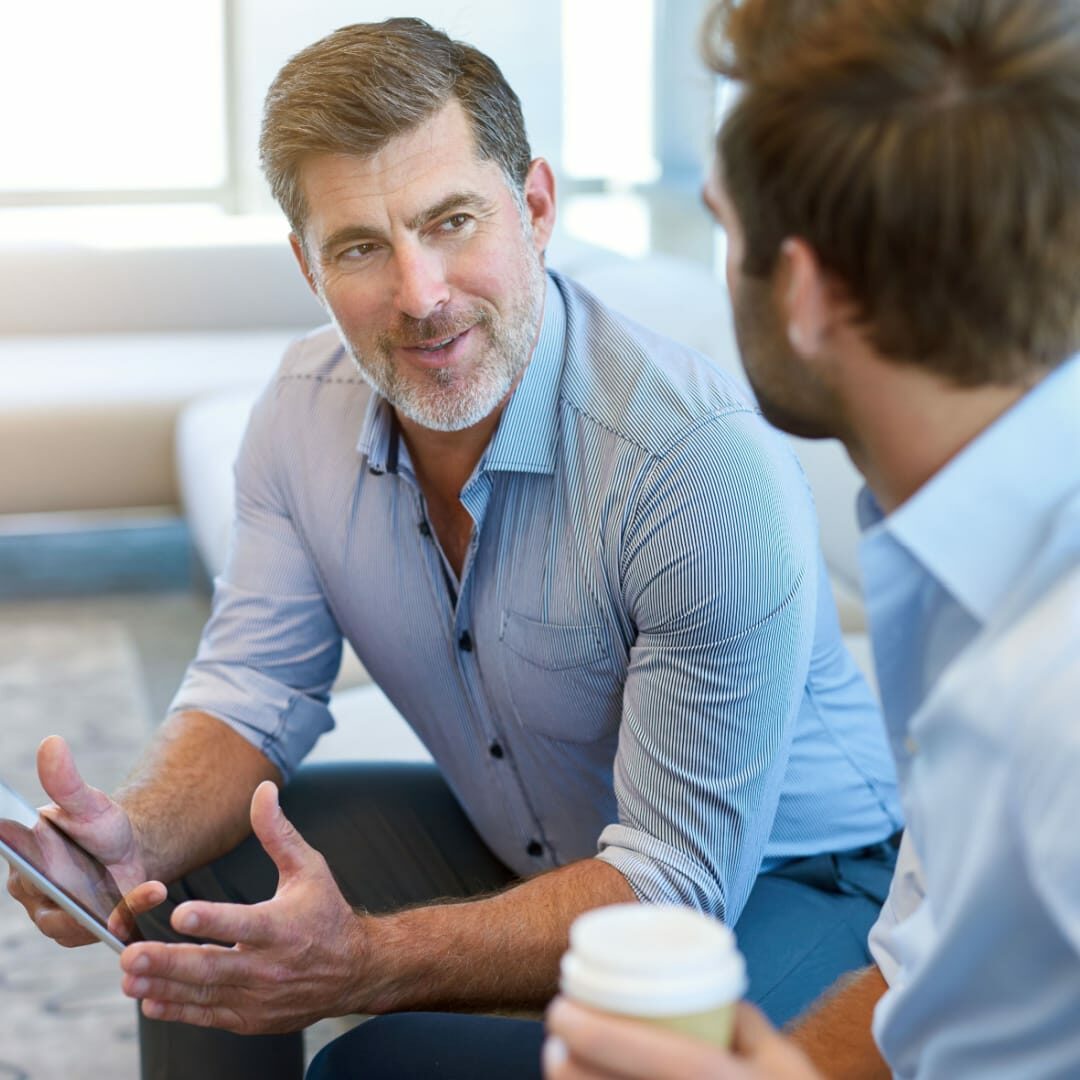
61 1011
62 1016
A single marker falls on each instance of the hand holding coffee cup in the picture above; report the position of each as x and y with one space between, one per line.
663 965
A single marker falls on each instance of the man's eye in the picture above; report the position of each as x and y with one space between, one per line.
455 222
358 251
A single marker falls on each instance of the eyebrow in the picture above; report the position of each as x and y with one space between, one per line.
458 200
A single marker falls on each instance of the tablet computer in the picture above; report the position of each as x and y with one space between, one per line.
65 872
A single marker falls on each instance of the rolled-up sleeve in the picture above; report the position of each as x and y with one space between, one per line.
720 576
271 648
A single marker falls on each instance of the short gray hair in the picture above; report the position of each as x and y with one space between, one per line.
359 87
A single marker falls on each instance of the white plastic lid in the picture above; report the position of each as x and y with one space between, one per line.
652 960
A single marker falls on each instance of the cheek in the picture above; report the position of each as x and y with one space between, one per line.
733 258
488 273
356 308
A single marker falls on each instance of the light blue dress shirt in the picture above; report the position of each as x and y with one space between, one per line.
641 658
973 595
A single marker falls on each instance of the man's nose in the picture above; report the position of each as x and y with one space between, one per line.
421 282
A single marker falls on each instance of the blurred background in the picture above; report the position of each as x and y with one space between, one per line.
133 215
147 290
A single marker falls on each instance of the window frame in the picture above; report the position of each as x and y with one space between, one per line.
225 195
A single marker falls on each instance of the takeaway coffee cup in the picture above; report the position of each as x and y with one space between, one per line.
660 964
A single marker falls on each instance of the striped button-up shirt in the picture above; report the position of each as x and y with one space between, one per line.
640 661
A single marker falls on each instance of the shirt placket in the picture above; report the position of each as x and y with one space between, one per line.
458 595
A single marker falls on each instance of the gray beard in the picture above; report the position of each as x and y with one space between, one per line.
442 399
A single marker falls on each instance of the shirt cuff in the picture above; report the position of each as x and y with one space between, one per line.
660 873
278 720
905 896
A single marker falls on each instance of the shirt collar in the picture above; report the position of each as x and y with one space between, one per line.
525 438
981 519
377 430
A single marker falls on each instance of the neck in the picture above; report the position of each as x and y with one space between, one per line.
905 423
444 460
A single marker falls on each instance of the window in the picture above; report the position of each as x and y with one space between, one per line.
608 91
122 100
637 125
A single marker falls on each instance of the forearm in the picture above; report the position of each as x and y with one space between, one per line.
189 794
835 1031
501 951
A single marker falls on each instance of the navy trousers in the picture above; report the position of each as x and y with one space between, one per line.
394 836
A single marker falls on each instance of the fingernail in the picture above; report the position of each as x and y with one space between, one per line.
140 964
189 920
555 1053
139 987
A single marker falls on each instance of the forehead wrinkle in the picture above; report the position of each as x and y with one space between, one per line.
432 157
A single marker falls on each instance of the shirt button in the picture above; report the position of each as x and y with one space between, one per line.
535 848
496 750
465 641
425 528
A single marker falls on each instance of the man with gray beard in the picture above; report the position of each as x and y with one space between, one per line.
572 555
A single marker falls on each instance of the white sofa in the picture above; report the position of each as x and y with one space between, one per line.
103 343
673 296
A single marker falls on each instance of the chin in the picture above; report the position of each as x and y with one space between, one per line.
803 425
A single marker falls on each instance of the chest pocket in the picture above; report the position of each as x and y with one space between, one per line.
563 681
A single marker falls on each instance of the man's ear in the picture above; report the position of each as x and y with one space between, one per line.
804 300
540 201
297 246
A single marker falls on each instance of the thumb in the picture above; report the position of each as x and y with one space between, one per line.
276 833
62 783
752 1029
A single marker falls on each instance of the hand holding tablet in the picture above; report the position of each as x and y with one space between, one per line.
69 876
70 894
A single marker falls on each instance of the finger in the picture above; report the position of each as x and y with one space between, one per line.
177 961
752 1029
140 900
57 924
50 919
145 897
198 1015
558 1065
21 889
278 835
175 992
247 924
631 1050
64 785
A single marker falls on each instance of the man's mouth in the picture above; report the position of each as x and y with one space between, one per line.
438 345
438 350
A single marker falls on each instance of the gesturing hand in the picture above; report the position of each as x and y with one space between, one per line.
96 822
297 957
585 1045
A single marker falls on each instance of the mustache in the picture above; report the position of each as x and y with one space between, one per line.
411 332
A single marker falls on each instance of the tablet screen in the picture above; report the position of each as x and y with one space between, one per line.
72 871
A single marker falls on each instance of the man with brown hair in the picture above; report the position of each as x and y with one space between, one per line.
571 553
900 185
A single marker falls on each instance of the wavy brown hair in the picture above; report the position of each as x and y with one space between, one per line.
929 152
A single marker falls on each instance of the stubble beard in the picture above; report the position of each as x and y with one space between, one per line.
446 398
771 368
